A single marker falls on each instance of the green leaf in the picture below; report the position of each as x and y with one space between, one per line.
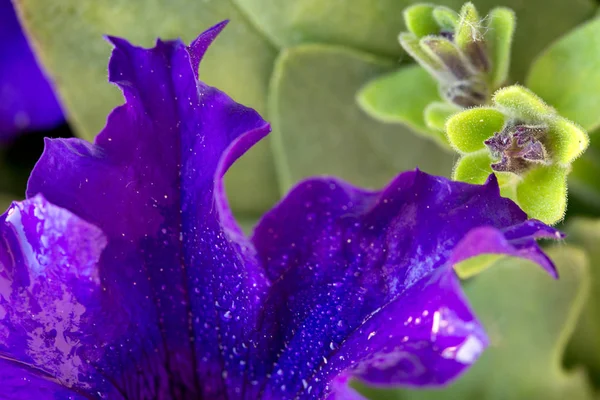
521 103
499 35
446 18
401 97
529 318
584 347
542 193
373 25
567 75
319 128
420 21
437 114
68 35
468 129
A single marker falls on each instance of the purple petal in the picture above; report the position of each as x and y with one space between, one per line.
49 288
125 276
363 283
19 383
27 101
172 274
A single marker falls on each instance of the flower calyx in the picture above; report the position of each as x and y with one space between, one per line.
525 143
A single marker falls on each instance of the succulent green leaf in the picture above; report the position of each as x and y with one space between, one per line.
529 318
437 114
469 26
446 18
584 347
319 128
401 97
499 35
68 35
567 75
473 167
565 141
521 103
542 193
419 20
468 129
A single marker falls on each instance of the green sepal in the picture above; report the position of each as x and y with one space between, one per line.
468 29
400 97
446 54
567 75
446 18
542 193
473 168
411 44
521 103
436 115
499 35
468 129
419 20
565 141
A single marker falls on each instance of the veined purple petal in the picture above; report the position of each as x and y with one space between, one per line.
27 101
362 282
125 276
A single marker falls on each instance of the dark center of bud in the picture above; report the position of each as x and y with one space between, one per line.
464 82
467 93
518 147
447 34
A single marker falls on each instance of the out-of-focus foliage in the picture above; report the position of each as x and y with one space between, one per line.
67 34
584 348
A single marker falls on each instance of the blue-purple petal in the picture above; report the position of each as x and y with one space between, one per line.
363 282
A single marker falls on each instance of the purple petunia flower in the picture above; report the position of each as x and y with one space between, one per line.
125 276
27 101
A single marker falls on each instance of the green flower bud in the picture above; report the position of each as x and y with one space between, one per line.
466 54
525 143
